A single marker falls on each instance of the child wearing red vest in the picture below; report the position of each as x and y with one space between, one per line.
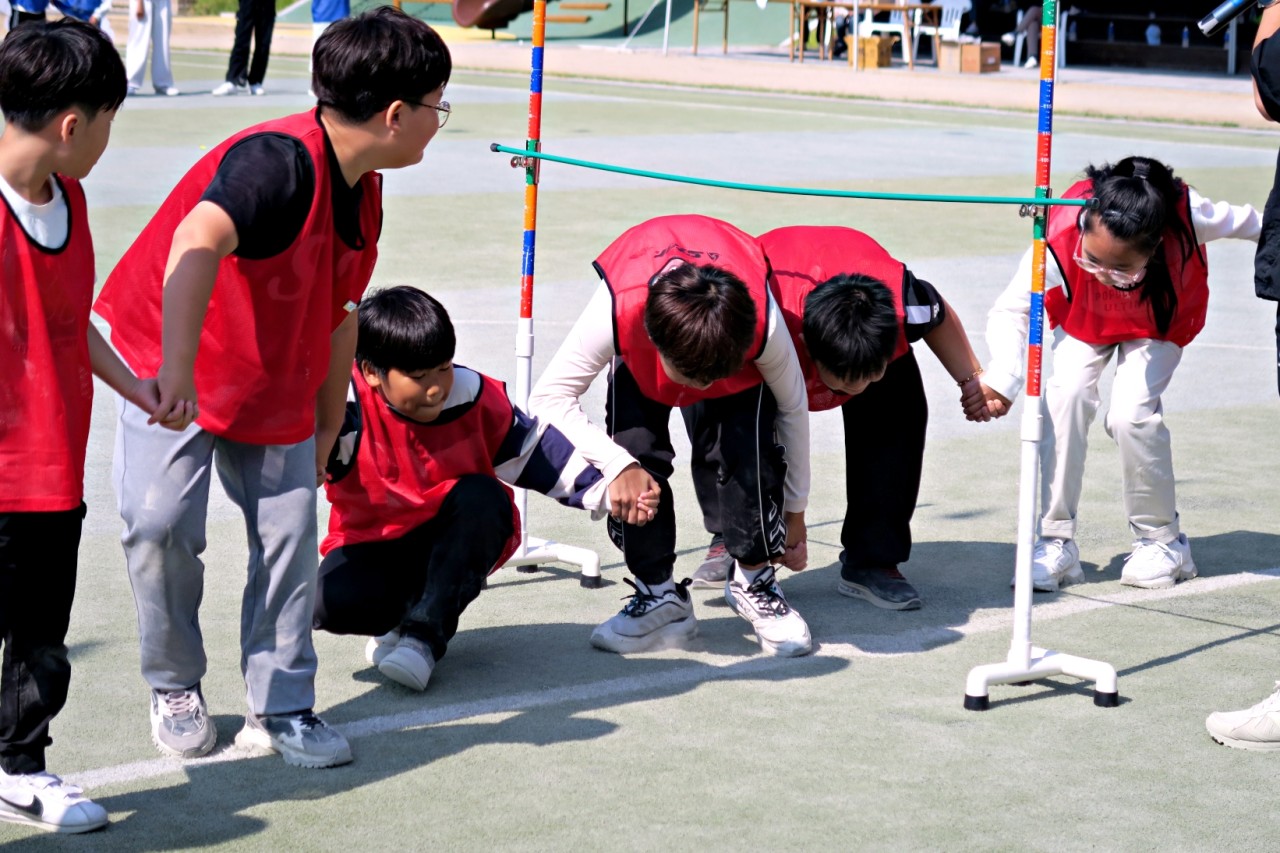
1127 279
420 513
241 294
853 311
684 315
60 87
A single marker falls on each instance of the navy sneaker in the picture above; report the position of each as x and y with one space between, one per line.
883 586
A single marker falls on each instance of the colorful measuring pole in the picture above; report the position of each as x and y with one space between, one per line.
524 329
1033 421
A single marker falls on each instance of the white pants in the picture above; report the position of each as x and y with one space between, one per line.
150 34
1135 420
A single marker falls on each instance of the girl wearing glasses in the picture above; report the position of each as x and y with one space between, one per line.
1126 280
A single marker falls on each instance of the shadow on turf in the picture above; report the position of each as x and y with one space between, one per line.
218 802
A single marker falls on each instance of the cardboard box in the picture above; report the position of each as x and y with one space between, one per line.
873 51
969 57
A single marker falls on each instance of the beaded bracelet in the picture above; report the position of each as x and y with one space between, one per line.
974 375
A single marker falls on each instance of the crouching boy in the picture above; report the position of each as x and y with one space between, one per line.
421 514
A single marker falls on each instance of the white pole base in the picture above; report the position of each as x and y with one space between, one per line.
539 551
1044 663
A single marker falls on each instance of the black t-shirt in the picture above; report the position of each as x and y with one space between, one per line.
266 183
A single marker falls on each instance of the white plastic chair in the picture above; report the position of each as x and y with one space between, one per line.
948 28
894 26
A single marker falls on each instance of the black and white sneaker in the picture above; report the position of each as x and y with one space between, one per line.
648 622
46 802
301 738
781 630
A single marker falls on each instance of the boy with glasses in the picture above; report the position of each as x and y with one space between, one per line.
241 294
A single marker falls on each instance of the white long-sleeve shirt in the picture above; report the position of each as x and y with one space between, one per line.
589 349
1010 316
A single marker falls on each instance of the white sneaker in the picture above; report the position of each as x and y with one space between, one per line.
258 89
44 801
228 88
1054 564
1009 38
169 91
1031 62
781 630
648 622
1256 728
410 663
1157 565
379 647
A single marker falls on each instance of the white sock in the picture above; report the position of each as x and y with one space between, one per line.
661 589
747 577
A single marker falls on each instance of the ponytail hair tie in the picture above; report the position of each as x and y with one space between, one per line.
1141 170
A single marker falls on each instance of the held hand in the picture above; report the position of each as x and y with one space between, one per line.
973 402
177 389
796 556
634 495
998 405
648 504
145 394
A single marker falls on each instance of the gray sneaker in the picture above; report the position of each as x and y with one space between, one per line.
180 723
409 663
301 738
714 570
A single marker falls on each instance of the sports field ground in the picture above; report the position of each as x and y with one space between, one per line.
529 739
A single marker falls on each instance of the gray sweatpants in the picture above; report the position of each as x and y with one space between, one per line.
162 485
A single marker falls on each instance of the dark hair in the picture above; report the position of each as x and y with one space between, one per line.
47 68
1138 201
404 328
702 320
362 64
851 326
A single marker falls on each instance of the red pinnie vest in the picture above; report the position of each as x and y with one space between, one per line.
47 391
803 257
404 469
635 259
264 348
1090 311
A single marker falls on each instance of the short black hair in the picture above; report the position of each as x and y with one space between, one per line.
405 329
361 64
851 326
702 319
49 67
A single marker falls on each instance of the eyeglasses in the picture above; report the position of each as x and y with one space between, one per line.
442 111
1107 275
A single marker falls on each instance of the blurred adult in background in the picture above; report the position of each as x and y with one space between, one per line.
256 20
150 23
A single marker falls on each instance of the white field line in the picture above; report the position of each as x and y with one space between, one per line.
845 647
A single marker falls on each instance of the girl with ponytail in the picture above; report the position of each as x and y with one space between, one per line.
1126 278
